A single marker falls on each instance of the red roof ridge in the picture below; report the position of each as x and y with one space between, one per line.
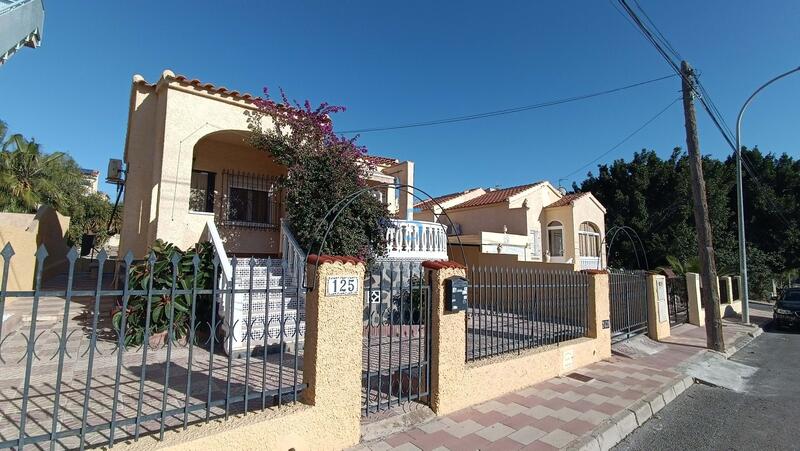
168 75
429 203
377 159
494 196
567 199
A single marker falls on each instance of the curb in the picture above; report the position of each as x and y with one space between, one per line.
743 341
611 431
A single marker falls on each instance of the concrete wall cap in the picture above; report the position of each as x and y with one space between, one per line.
595 271
442 264
320 259
167 74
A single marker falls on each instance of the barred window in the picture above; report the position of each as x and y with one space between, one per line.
250 200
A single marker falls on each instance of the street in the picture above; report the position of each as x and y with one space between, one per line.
712 418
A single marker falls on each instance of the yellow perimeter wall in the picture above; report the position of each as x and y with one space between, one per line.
26 232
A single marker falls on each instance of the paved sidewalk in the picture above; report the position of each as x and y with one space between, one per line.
564 412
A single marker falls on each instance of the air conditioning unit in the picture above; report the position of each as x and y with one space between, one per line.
116 173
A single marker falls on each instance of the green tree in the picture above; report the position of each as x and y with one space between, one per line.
323 169
653 196
92 216
30 177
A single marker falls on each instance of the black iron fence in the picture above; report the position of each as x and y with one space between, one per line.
677 300
396 338
628 296
511 309
90 359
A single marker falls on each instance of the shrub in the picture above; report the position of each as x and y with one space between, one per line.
163 307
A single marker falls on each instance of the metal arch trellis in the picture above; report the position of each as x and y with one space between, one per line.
627 230
342 204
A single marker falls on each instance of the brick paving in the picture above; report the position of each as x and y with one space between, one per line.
551 414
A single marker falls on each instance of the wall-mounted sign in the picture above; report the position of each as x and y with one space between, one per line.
341 285
606 324
661 292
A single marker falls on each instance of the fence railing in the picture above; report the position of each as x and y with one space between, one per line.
628 297
512 309
85 361
396 336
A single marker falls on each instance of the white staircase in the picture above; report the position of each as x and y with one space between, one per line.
277 308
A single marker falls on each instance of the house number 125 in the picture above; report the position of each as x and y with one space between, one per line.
342 286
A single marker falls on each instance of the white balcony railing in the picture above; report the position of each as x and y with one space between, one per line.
416 240
590 263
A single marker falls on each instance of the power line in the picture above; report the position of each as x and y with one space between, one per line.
702 95
624 140
512 110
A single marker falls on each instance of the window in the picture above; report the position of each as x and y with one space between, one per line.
248 205
201 191
555 239
588 240
250 201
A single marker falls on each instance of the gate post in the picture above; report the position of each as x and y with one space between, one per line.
333 347
448 342
696 312
657 309
600 310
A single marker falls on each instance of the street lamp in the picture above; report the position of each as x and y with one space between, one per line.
740 199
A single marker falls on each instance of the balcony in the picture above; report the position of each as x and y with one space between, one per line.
416 240
590 263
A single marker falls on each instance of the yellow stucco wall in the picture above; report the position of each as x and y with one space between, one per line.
456 384
26 232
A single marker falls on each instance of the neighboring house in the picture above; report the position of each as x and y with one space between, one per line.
91 177
21 24
188 161
533 222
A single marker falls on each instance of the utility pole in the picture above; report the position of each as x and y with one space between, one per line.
708 267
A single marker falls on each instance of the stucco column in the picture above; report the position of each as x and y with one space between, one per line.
657 308
405 176
600 311
696 313
448 342
333 345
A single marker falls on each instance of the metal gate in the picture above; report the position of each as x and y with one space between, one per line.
396 338
677 301
628 293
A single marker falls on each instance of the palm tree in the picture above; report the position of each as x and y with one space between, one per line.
29 177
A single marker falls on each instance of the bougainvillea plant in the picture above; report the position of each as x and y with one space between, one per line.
322 169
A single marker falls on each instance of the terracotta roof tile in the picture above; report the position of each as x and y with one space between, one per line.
377 159
495 196
428 204
210 87
566 200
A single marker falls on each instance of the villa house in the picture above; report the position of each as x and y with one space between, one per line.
534 222
188 162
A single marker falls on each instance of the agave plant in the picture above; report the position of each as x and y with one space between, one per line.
166 262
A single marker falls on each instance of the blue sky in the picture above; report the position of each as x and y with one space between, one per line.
414 61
